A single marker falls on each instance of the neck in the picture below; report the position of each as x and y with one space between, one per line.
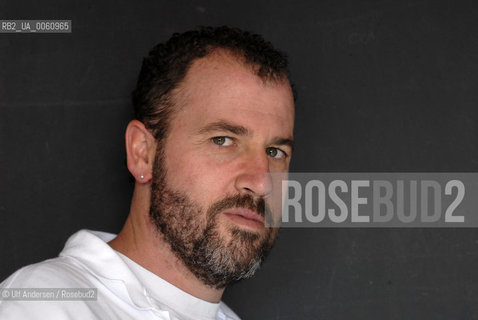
139 241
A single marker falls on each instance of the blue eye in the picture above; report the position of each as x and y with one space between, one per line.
222 141
275 153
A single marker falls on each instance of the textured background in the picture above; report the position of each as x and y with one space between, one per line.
383 86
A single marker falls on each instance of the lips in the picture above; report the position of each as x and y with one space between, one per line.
246 217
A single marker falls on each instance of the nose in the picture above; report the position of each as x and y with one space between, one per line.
254 177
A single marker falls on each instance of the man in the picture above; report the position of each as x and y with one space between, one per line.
214 114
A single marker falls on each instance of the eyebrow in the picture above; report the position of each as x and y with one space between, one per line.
225 126
283 142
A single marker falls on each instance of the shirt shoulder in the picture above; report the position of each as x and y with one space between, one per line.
53 273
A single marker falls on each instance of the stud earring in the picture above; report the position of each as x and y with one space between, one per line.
141 177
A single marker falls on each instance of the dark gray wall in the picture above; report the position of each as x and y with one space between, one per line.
383 86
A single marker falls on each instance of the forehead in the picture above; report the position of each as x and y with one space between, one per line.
220 85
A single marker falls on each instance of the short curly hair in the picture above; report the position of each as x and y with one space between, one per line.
167 64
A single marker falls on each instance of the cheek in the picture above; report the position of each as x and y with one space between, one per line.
202 179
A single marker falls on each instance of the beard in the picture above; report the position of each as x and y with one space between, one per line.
194 235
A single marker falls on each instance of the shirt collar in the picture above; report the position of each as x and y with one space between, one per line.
129 280
167 295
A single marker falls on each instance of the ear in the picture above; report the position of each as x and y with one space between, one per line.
140 151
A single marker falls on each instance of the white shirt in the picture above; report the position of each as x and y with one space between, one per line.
125 290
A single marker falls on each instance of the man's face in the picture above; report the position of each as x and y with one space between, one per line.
210 192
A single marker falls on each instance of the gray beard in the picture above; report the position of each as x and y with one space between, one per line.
199 244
